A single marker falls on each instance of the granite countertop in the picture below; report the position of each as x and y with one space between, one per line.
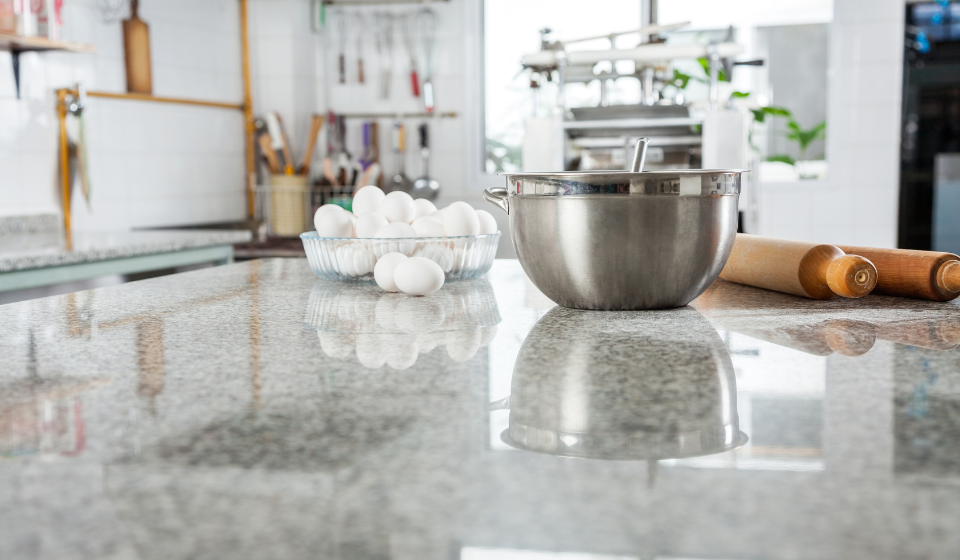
41 249
253 411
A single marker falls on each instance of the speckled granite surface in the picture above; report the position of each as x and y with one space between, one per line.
252 411
34 223
39 249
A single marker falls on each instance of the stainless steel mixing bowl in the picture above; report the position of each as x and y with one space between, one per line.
621 240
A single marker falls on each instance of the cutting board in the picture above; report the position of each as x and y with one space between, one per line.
136 46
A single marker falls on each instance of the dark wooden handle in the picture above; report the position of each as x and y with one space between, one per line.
915 274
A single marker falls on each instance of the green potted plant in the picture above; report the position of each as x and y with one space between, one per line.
803 137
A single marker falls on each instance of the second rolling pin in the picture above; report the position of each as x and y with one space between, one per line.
914 274
798 268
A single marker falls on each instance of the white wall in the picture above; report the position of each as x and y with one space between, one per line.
150 164
857 204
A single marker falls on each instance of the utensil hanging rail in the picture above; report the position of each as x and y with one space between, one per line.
447 115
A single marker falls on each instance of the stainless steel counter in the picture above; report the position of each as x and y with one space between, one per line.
253 411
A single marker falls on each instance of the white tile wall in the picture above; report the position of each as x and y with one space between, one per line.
858 202
150 164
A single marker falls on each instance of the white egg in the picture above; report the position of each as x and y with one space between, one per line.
369 224
370 350
418 276
383 272
333 221
461 345
423 207
326 207
402 233
398 206
344 257
436 252
400 350
337 345
488 224
460 219
438 215
367 199
355 259
425 226
419 315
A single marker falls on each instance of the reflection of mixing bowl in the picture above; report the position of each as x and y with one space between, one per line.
621 385
394 329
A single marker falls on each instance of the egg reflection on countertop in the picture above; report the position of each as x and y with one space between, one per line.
395 329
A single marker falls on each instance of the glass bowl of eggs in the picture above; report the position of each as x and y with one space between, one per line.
346 245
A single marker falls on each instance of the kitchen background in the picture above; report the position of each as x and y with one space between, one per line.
158 165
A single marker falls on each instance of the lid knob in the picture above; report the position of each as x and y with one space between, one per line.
639 155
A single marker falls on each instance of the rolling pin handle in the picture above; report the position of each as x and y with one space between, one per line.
851 276
948 277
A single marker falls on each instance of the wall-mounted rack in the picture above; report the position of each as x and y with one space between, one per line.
17 44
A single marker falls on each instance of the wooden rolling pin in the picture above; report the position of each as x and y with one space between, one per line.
914 274
798 268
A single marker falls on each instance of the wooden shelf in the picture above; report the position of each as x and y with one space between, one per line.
156 99
20 43
17 44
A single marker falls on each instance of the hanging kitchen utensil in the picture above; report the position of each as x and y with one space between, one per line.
371 169
136 48
342 26
78 141
408 31
385 51
400 181
425 187
359 36
328 170
427 27
343 162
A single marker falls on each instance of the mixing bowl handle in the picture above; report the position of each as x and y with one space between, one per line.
498 196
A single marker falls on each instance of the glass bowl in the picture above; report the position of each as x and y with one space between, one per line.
348 259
